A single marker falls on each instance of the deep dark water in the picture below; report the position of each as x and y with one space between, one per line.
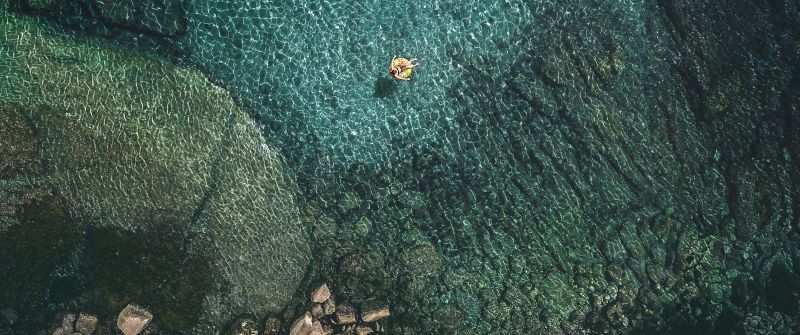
552 167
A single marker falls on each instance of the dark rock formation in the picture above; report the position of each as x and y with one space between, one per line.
37 238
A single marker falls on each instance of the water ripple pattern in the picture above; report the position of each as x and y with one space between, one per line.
562 151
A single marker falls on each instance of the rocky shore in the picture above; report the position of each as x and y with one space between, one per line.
323 316
132 320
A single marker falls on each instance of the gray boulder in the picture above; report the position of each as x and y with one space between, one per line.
63 324
86 323
133 319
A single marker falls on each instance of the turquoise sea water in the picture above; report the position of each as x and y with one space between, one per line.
551 167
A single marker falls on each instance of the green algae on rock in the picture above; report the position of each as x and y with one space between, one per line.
135 145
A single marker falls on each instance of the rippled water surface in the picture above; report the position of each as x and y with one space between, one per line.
551 167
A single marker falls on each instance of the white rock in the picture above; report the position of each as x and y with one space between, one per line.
345 314
363 330
302 326
86 323
63 324
133 319
375 313
316 328
321 294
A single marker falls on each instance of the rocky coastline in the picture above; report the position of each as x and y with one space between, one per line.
322 317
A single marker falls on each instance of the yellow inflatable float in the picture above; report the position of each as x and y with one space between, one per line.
401 68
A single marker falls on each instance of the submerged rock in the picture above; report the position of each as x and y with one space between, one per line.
133 319
272 326
302 326
374 313
421 264
63 324
348 202
363 329
244 325
86 323
345 314
329 306
316 311
321 294
316 328
363 226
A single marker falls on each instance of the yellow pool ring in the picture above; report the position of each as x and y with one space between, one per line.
399 61
406 73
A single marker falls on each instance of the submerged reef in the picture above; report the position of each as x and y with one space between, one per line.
125 178
554 167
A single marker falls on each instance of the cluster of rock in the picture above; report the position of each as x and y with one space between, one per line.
71 324
323 317
326 317
132 320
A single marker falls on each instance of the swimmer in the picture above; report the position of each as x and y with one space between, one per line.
401 68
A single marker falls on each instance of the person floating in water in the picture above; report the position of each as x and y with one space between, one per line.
401 68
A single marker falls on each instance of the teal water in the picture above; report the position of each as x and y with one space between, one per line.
552 166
